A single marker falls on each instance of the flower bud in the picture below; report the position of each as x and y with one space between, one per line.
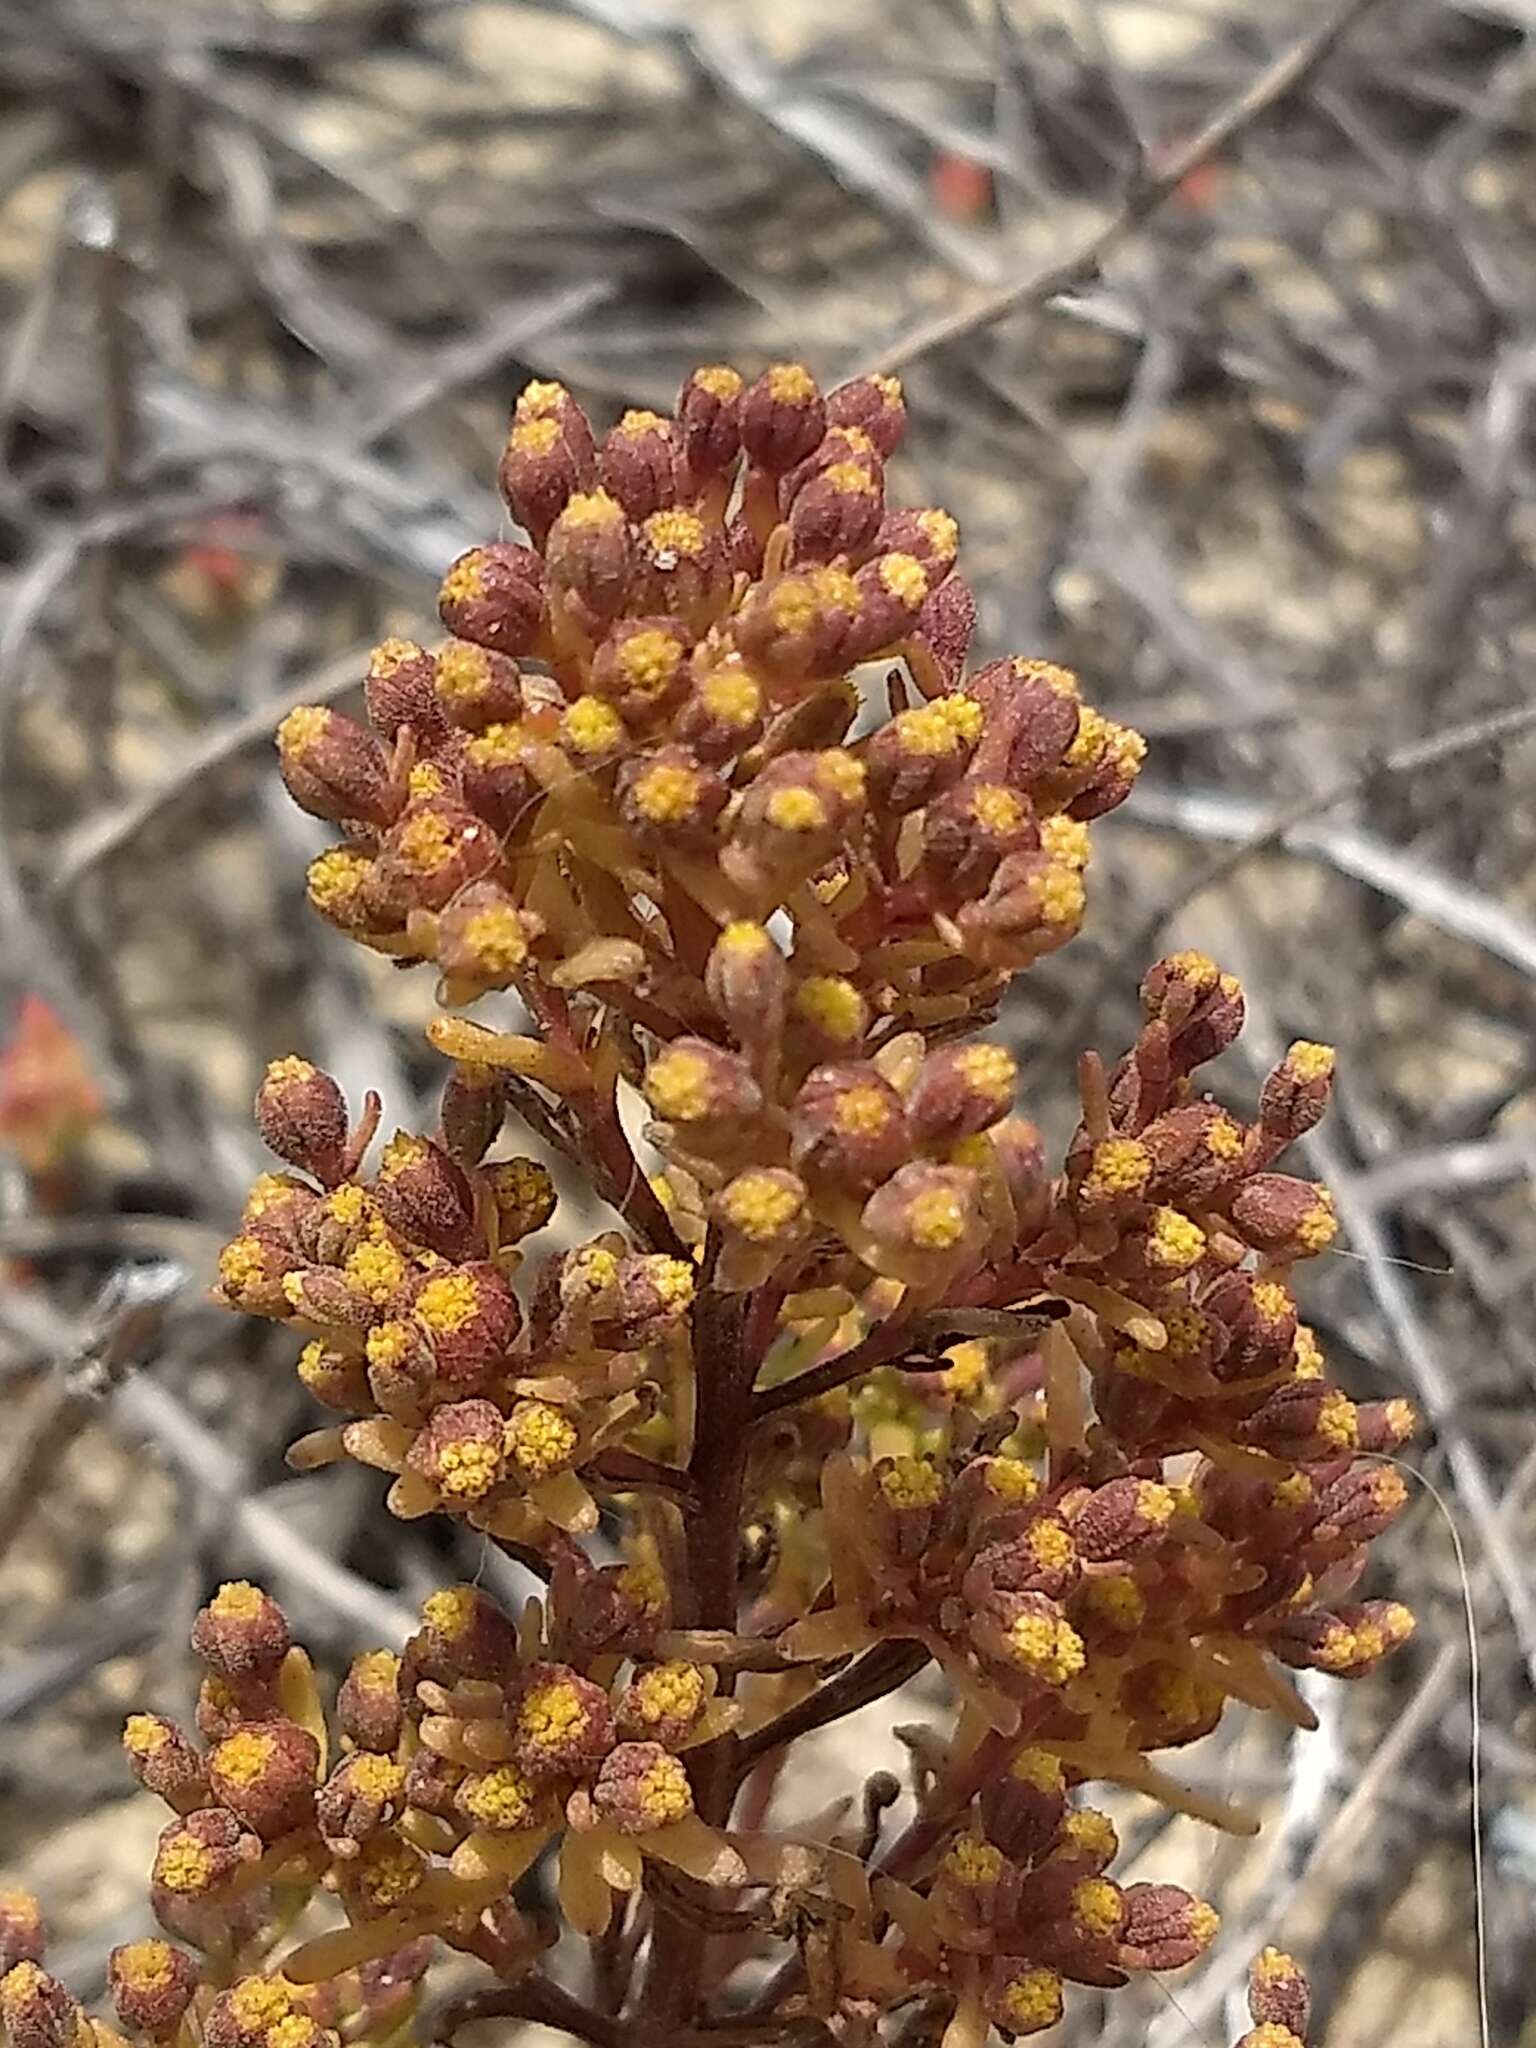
960 1090
22 1935
1269 2036
152 1984
680 568
478 689
1257 1325
507 1800
642 667
1195 1150
562 1725
474 1108
483 939
927 533
875 406
638 463
968 831
539 473
364 1793
745 978
1033 712
801 627
1032 1552
223 1706
437 848
1122 1519
1022 1997
334 769
652 1290
1386 1425
524 1197
767 1206
382 1878
540 1440
542 398
1032 905
1200 1007
302 1116
39 2012
917 755
252 1272
892 590
1164 1927
165 1762
1284 1217
471 1317
368 1705
1347 1643
426 1198
1296 1094
195 1859
724 714
432 1784
265 1774
708 422
588 553
1118 1174
701 1088
642 1786
242 1634
946 625
400 688
836 515
1303 1422
837 445
663 1703
827 1014
1118 755
798 812
848 1126
337 885
1028 1633
667 796
782 418
1022 1807
493 596
460 1451
464 1634
1278 1992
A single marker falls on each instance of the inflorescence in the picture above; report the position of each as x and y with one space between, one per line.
860 1379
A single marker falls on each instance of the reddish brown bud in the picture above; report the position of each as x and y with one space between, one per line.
782 418
364 1793
435 849
918 754
426 1198
798 812
680 568
663 1703
946 624
477 688
701 1088
724 714
1287 1218
195 1859
800 626
539 473
22 1935
1304 1421
562 1725
1164 1927
265 1774
837 514
837 445
1200 1007
242 1633
1033 1551
1386 1425
223 1706
923 1221
642 667
524 1197
875 405
152 1984
381 1879
464 1634
368 1704
1123 1519
642 1786
668 795
472 1318
1257 1324
708 420
1195 1150
39 2012
493 597
588 553
848 1126
1032 709
968 831
1032 905
544 399
334 769
1278 1993
1348 1642
745 977
892 590
165 1762
432 1783
474 1108
638 463
927 533
252 1274
960 1090
461 1451
1296 1094
1022 1807
401 689
302 1116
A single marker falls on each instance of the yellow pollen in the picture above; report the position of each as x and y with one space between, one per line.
669 1692
852 477
1174 1242
1046 1646
1154 1503
389 1877
936 1219
427 841
667 793
538 436
1309 1061
674 532
1318 1227
540 1439
735 699
679 1086
463 673
469 1469
904 578
185 1864
291 1068
378 1269
1050 1544
1066 840
1031 2002
1224 1139
377 1671
911 1483
991 1070
448 1302
938 528
497 939
145 1735
499 746
833 1006
243 1265
349 1205
650 661
965 1373
926 733
862 1111
592 510
1272 1301
1091 1832
375 1777
1306 1355
1198 969
298 2030
996 809
238 1600
465 581
336 876
1062 896
1117 1600
835 589
971 1862
590 726
1119 1166
1038 1768
450 1612
540 397
551 1714
1091 738
792 605
245 1756
1294 1491
791 384
1203 1923
1012 1479
389 1344
301 730
257 2003
402 1152
673 1280
762 1209
797 809
841 773
719 380
1338 1421
638 421
503 1798
1096 1906
1125 748
144 1965
663 1794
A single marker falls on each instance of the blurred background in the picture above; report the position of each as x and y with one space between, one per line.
1218 328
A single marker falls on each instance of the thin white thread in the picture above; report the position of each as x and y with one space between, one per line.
1340 1251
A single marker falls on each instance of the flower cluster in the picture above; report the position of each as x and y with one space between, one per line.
703 781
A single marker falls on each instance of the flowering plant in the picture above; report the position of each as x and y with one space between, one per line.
854 1383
